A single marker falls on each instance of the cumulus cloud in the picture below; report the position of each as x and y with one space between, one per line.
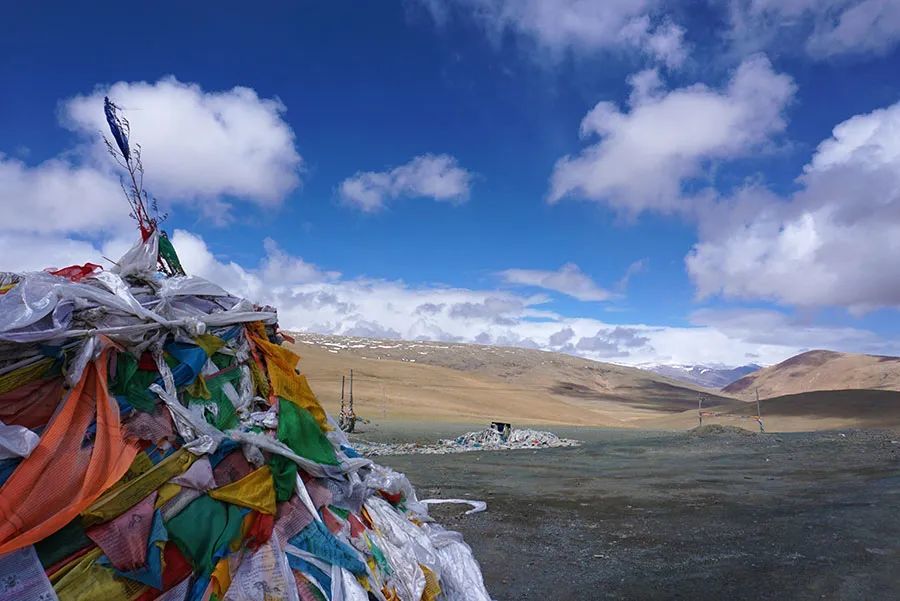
664 42
438 177
58 196
600 347
833 242
644 156
825 28
198 147
275 274
370 329
30 252
568 279
557 26
492 308
764 326
561 337
198 144
869 26
320 300
611 343
483 338
311 298
315 299
753 245
430 308
279 266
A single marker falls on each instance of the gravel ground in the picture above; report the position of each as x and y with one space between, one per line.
650 515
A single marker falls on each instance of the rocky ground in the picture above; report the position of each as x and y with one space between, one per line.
649 515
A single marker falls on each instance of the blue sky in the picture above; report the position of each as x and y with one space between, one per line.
381 156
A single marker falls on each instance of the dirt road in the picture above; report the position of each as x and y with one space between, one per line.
642 515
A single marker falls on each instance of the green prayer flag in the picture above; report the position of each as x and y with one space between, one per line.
133 383
62 543
203 529
167 252
298 429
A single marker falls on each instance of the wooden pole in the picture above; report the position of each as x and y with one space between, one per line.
759 413
351 390
700 409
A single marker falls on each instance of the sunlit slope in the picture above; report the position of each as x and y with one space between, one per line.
820 370
474 383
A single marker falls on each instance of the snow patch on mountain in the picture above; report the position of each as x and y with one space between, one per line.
709 376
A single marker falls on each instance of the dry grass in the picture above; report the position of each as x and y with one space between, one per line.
820 370
472 384
804 412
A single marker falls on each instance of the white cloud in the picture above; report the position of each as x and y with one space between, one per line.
633 269
557 26
664 43
869 26
644 156
867 141
764 326
825 28
274 275
493 308
836 232
313 299
29 252
568 279
310 298
645 85
613 342
58 196
282 267
438 177
198 145
561 337
834 242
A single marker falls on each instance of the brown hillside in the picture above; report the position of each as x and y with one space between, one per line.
473 383
817 410
820 370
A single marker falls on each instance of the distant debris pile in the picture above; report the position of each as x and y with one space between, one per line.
713 430
488 439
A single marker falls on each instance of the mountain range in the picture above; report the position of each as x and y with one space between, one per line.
708 376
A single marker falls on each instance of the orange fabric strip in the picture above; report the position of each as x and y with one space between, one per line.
62 477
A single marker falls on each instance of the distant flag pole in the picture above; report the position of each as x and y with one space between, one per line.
759 412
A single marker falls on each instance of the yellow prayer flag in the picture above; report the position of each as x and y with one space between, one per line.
256 491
